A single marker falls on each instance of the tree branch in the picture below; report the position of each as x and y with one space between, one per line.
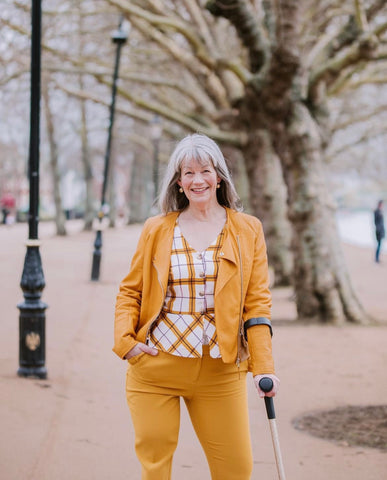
15 75
344 78
361 17
376 80
346 81
364 138
363 49
380 29
320 47
203 75
198 47
242 16
350 31
285 54
360 118
277 80
236 139
375 8
275 68
237 68
197 16
135 78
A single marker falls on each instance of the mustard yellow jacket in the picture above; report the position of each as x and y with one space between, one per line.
241 291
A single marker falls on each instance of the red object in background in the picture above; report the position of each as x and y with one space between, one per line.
8 201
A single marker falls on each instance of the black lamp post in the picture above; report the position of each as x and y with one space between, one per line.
156 130
32 311
119 37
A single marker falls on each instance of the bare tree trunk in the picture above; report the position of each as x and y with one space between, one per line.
112 193
140 191
89 214
323 289
322 285
60 219
268 197
237 167
135 197
87 170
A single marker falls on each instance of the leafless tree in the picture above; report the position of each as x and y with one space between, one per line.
265 78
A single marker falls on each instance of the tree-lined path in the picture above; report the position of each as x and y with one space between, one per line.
75 425
293 91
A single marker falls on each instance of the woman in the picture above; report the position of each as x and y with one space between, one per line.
192 317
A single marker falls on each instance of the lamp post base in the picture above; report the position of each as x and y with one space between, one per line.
33 372
96 257
32 318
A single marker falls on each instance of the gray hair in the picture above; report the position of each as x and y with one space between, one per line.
200 148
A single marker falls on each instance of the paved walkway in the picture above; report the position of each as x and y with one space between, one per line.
76 426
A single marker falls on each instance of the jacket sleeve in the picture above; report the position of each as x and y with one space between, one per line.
128 302
261 358
258 304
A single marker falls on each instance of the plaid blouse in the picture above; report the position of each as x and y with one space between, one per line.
186 321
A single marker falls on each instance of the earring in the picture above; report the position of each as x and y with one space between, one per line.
218 185
181 190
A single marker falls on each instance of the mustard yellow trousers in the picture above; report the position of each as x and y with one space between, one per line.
215 394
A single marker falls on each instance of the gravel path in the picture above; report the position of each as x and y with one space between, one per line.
76 426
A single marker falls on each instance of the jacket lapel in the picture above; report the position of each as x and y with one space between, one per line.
228 266
162 259
229 257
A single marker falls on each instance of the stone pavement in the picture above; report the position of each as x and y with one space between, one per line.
76 426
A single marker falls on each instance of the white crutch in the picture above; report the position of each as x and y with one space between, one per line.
266 384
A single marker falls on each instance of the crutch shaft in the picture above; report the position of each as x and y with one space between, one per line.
277 449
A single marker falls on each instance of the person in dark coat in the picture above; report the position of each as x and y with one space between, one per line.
379 229
7 205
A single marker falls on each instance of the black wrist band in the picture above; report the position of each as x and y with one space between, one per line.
251 322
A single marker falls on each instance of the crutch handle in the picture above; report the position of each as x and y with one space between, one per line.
266 385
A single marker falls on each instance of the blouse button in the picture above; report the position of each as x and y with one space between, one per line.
202 274
200 256
201 294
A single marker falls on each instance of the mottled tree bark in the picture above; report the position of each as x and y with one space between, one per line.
280 86
323 289
268 197
87 169
273 103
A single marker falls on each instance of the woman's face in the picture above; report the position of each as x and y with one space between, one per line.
199 181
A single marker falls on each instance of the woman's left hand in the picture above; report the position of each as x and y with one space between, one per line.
273 391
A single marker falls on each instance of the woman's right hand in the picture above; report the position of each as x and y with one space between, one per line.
140 348
273 391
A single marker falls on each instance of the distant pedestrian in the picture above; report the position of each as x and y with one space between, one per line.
379 229
7 206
